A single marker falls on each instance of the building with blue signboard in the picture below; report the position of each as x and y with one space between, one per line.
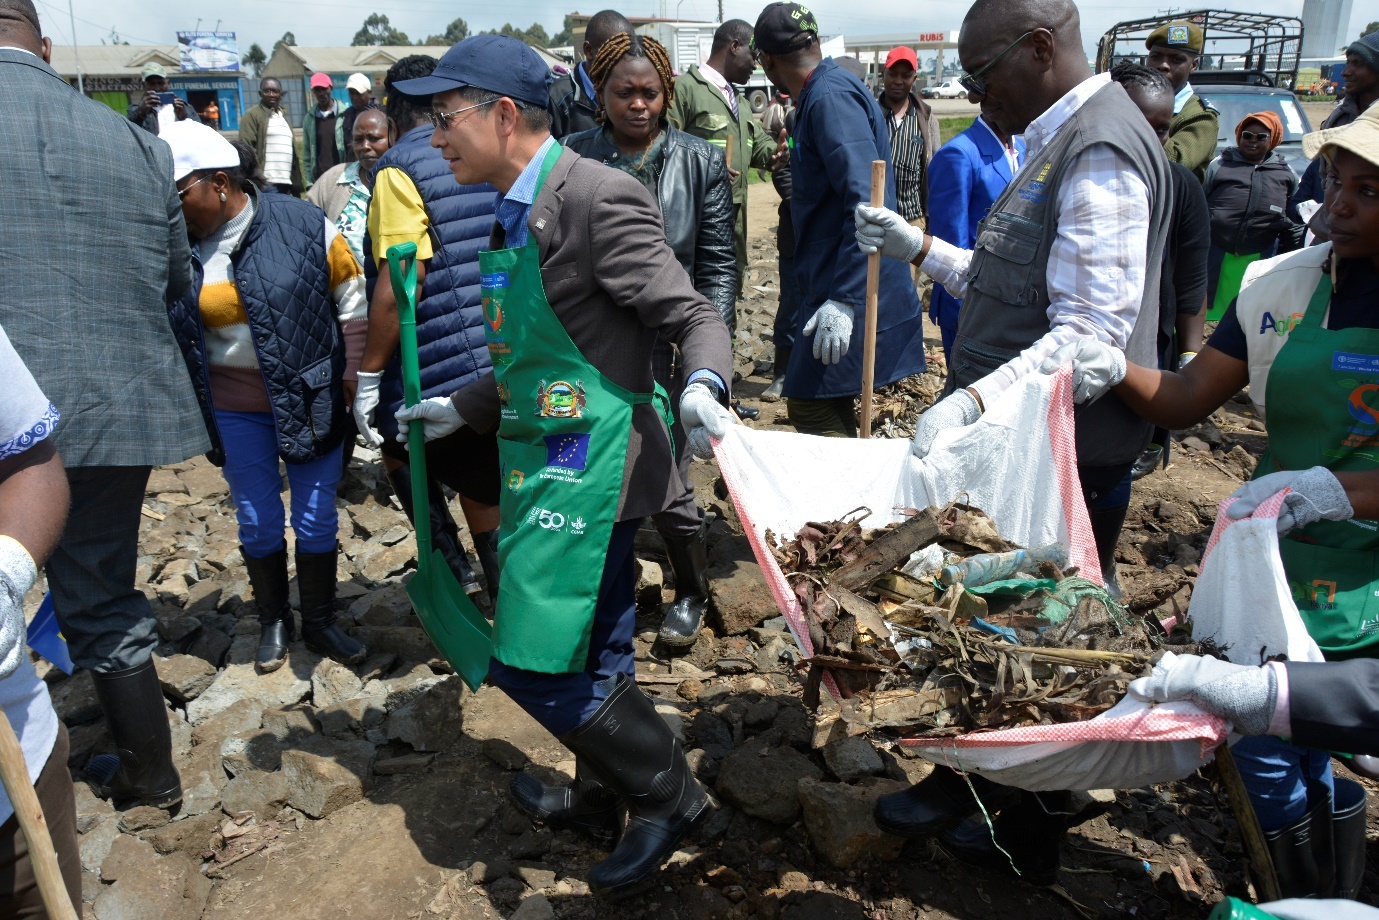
111 74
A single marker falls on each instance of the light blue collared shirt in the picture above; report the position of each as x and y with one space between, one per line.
512 209
1181 97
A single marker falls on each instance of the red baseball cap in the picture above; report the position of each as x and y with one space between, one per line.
902 54
321 80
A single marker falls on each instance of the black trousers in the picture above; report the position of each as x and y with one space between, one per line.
105 619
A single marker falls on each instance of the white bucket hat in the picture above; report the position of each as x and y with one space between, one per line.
1360 137
196 146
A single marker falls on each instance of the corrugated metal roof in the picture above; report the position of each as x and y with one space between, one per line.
294 60
114 60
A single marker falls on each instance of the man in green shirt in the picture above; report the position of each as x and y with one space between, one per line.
1174 51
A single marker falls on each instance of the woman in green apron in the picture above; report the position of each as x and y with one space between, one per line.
584 443
1304 335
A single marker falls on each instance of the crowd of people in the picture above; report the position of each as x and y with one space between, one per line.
581 248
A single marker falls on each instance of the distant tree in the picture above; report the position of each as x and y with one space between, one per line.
566 35
254 59
457 31
378 31
1372 27
536 35
288 39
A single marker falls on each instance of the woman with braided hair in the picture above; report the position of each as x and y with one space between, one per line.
688 177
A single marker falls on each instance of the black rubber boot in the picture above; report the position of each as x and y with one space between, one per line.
316 587
1106 527
773 392
585 806
445 533
1302 852
142 771
486 545
1148 461
631 750
268 577
1348 836
1029 830
935 803
689 558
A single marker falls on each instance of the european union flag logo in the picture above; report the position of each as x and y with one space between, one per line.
570 451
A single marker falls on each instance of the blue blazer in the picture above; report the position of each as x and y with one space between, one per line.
966 176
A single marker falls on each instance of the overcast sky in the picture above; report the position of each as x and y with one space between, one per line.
332 22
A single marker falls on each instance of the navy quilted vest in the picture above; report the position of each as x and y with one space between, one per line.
284 283
450 321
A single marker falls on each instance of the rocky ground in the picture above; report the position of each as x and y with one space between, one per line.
321 791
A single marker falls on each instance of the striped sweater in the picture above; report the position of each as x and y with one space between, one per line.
236 383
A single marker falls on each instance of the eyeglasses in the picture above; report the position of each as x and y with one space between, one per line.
441 120
182 193
1255 135
973 83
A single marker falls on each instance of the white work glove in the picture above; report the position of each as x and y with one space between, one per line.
438 415
1316 495
1243 694
1096 367
365 404
703 416
884 231
17 574
956 411
831 326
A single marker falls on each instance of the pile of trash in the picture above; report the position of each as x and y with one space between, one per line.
937 626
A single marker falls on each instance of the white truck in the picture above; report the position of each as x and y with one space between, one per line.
690 43
948 89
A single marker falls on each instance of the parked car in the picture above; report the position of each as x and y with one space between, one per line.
1234 95
948 89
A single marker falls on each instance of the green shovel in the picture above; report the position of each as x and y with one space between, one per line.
450 618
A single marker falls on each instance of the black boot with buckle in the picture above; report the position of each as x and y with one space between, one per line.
268 578
316 587
689 558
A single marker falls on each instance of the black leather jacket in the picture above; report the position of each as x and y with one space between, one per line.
570 107
696 199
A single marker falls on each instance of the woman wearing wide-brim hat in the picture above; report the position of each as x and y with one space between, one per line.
1304 335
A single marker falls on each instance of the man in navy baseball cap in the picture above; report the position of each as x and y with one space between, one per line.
578 283
496 63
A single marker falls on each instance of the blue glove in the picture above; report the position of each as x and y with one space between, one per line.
831 326
956 411
1316 495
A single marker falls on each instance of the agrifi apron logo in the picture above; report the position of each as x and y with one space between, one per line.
1363 403
560 399
515 479
1281 326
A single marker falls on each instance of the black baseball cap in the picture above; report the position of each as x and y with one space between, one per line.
493 62
784 27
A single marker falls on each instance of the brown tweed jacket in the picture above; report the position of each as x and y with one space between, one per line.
615 285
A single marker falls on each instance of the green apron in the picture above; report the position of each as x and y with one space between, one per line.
562 442
1323 399
1228 283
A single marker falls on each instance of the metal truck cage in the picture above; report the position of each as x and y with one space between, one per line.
1234 42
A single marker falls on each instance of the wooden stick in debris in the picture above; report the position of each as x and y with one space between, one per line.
888 551
1261 864
14 772
878 199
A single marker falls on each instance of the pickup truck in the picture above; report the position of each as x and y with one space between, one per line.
948 89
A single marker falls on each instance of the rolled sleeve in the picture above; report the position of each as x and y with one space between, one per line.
26 415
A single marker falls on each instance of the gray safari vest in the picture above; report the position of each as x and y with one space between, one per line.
1005 309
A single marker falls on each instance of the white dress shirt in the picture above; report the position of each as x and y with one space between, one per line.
277 152
1096 264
